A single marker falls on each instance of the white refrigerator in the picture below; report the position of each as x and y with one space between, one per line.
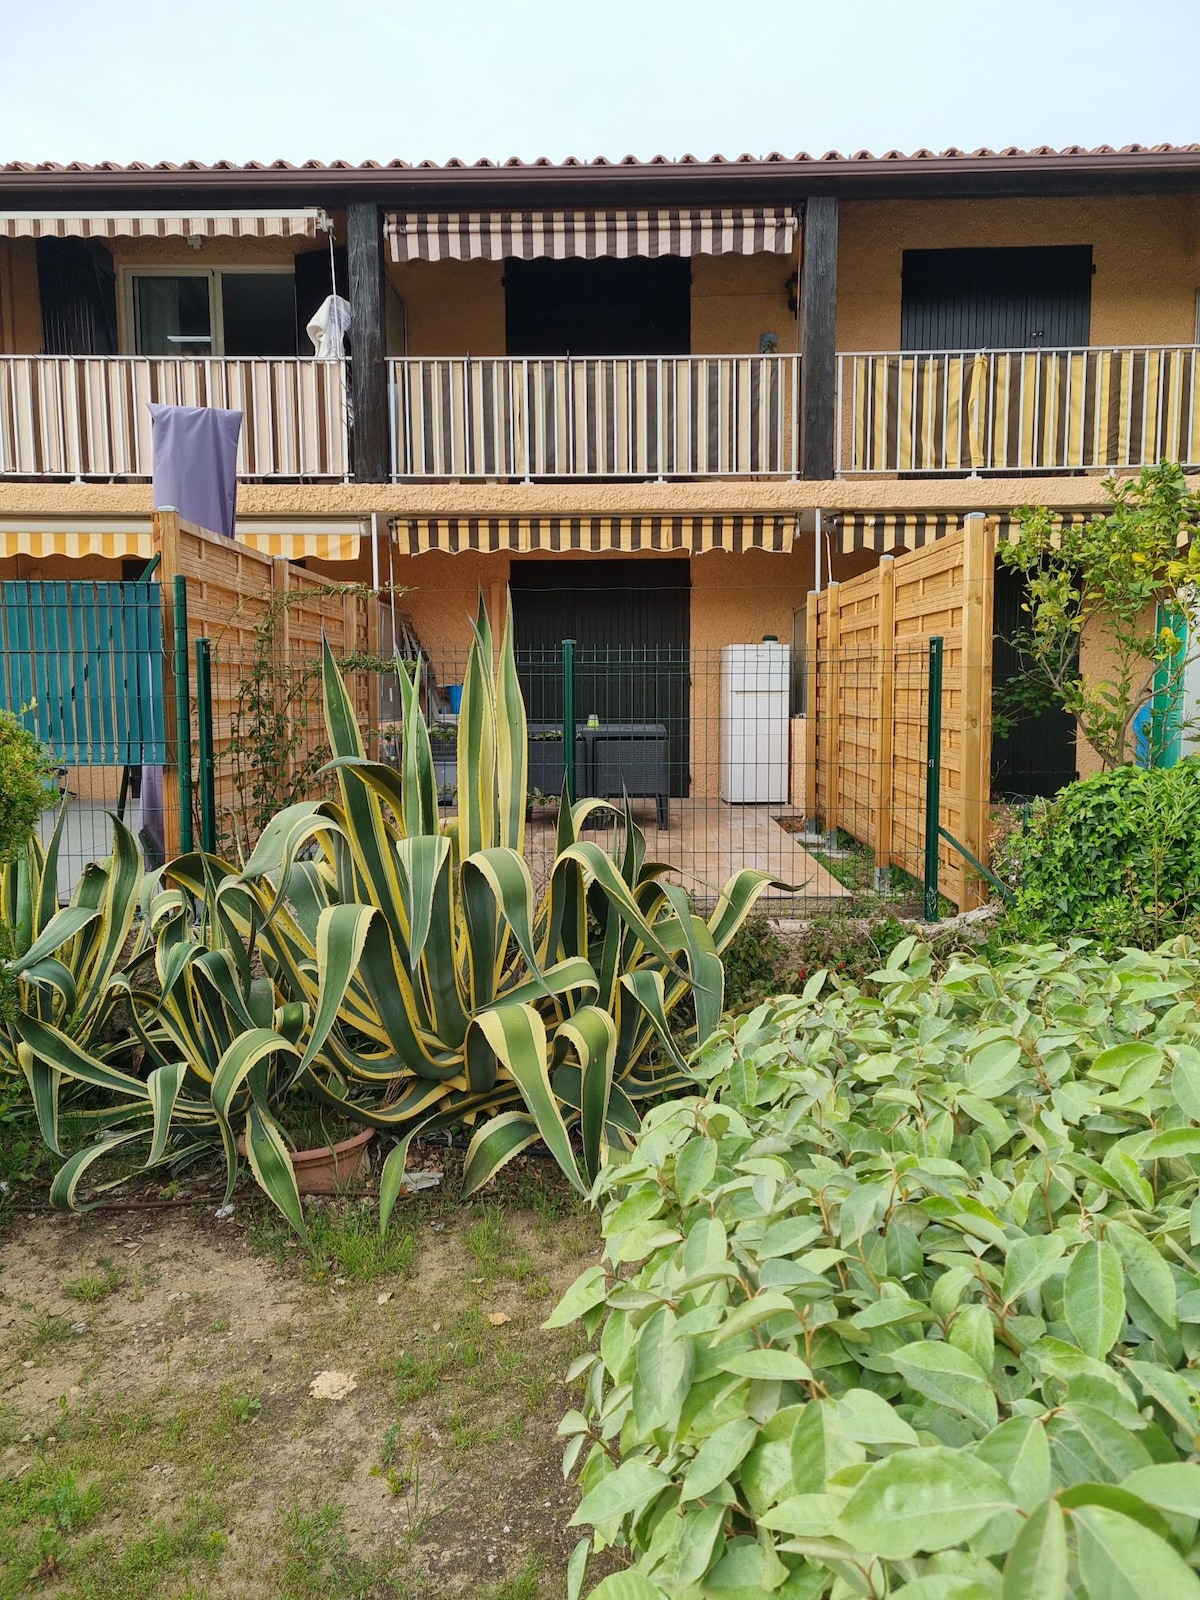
755 727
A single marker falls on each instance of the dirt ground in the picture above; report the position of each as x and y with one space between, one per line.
160 1434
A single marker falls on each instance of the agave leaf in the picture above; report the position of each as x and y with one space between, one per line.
391 1177
646 987
121 882
56 977
51 1045
163 1086
64 1189
497 1142
517 1036
61 928
423 859
477 745
44 1081
512 747
341 935
508 878
419 800
272 1165
592 1034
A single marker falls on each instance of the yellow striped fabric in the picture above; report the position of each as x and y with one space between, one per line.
1023 410
595 535
77 538
886 532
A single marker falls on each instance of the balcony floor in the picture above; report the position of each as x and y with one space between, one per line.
706 843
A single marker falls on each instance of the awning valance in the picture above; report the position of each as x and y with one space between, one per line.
494 235
888 532
305 224
117 538
595 535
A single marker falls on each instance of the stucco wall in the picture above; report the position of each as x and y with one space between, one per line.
20 307
736 299
454 307
1146 253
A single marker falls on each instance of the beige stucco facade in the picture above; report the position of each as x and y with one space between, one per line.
1146 251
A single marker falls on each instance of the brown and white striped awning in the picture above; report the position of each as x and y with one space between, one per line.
893 531
595 535
495 235
304 224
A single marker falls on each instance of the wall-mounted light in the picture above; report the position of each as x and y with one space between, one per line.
792 289
195 241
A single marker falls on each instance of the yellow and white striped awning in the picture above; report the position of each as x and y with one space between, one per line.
304 224
886 532
117 538
495 235
595 535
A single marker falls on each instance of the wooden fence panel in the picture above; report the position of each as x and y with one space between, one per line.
872 703
231 589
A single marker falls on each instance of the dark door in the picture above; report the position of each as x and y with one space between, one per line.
315 276
1037 756
604 307
630 623
1009 298
78 293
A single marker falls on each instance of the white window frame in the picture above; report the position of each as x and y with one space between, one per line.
127 318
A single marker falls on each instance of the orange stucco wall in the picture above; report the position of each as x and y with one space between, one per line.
736 299
455 308
1146 252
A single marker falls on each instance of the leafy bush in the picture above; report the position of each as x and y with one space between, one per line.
410 976
1115 857
25 772
910 1304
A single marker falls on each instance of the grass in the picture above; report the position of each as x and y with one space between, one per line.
199 1476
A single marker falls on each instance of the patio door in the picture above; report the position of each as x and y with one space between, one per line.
630 620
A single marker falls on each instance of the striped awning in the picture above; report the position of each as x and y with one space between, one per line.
595 535
893 531
304 224
495 235
117 538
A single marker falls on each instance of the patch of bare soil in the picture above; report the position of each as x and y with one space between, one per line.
164 1360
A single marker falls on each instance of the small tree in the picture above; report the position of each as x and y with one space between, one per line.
1110 575
25 773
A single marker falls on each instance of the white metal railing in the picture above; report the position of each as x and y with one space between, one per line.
87 417
1018 410
595 416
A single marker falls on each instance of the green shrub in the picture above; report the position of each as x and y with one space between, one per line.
25 772
1115 857
910 1304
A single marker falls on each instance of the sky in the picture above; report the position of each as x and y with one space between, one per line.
358 79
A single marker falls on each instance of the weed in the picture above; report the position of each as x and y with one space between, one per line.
37 1513
219 1325
523 1585
92 1287
318 1563
240 1408
45 1332
343 1242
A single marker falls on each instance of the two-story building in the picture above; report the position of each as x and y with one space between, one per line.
662 400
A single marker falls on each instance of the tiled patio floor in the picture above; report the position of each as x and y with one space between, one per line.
708 841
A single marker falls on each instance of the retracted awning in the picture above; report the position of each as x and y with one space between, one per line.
887 532
115 538
304 224
495 235
595 535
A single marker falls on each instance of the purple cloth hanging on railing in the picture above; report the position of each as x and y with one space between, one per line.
194 451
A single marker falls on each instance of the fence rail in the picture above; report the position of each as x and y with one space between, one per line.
595 417
87 416
1018 410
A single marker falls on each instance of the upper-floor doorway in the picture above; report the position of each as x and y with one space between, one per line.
604 307
1003 298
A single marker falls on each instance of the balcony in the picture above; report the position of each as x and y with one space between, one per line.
87 417
1017 411
643 417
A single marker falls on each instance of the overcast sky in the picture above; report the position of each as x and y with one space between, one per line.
244 79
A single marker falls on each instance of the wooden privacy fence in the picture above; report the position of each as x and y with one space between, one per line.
868 712
231 590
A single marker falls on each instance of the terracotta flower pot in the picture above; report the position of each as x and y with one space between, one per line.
327 1169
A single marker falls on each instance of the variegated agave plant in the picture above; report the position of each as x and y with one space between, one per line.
417 980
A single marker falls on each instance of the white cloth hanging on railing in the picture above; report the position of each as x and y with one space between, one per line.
328 328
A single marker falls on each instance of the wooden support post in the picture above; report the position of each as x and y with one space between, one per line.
833 705
812 670
886 713
979 562
818 336
372 445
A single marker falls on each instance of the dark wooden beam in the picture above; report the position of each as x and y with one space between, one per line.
818 336
364 240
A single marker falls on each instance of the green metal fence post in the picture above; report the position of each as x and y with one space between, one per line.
568 716
204 738
183 716
933 780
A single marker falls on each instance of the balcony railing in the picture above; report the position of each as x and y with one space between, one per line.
1018 410
86 416
595 417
